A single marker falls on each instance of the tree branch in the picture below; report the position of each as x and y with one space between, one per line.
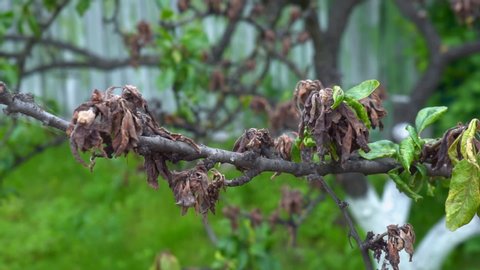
438 60
24 104
95 63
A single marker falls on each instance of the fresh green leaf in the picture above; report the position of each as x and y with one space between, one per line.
463 198
412 132
295 152
419 178
380 149
82 6
402 185
338 96
430 189
309 142
167 14
359 110
427 116
467 147
362 90
407 152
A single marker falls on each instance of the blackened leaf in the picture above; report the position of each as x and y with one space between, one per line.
380 149
402 185
467 146
463 198
453 151
362 90
407 152
359 110
338 96
427 116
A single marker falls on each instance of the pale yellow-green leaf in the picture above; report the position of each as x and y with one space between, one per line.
467 147
464 195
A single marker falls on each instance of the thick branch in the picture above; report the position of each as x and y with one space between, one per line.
438 60
96 63
21 103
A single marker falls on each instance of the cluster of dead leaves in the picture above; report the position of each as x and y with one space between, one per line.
136 41
255 140
110 125
454 145
282 117
337 131
398 239
260 142
193 188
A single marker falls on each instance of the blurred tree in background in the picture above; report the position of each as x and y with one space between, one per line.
210 69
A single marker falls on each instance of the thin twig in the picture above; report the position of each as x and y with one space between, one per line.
342 205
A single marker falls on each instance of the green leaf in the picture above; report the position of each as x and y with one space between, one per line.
463 198
167 14
359 110
402 185
362 90
467 147
380 149
309 142
6 20
412 132
419 178
295 152
82 6
407 152
427 116
338 96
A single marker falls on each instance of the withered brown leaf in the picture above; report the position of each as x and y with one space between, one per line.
256 140
337 132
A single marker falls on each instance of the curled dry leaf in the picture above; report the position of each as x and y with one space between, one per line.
193 188
303 89
256 140
398 239
441 152
110 125
337 132
283 146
